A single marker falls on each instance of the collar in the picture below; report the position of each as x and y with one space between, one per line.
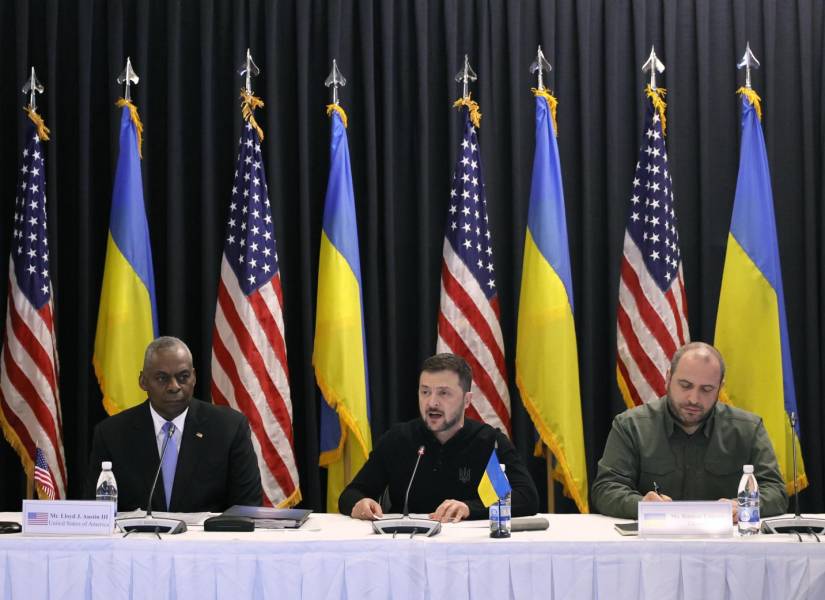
159 421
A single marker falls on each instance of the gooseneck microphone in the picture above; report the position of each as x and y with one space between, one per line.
171 432
426 527
409 485
796 524
148 523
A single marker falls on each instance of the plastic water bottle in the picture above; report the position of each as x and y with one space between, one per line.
748 499
106 484
500 515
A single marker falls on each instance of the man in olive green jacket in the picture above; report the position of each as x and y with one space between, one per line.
686 445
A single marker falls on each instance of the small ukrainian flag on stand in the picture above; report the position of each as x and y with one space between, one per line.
493 485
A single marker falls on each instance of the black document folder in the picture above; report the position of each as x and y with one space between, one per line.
270 518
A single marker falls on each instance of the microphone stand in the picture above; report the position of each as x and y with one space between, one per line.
406 524
796 524
148 523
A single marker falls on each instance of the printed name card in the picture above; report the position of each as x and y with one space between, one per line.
68 517
686 519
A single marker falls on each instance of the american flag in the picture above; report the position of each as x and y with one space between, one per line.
43 475
468 320
29 396
37 518
249 366
652 311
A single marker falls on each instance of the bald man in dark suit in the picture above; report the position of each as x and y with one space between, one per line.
216 465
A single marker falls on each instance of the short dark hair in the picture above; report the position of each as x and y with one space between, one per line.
162 343
450 362
677 356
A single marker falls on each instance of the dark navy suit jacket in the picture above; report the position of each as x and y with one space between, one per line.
216 468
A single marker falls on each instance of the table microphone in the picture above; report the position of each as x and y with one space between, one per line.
796 524
405 524
148 523
409 485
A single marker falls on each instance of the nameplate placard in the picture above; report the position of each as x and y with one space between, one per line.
685 519
68 517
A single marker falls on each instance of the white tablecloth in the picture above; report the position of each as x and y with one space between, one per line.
580 556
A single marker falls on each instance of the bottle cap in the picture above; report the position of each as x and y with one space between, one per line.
106 465
747 468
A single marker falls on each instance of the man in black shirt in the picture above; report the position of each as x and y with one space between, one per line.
456 452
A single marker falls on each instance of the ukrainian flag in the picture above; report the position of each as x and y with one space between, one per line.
340 352
751 326
127 319
494 484
547 369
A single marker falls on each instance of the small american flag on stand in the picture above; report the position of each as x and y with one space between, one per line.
43 475
249 366
652 310
468 319
29 395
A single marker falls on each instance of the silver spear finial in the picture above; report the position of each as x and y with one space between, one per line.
748 62
653 64
465 76
539 66
128 77
249 69
32 88
335 80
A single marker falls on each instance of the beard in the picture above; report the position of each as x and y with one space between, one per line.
699 420
447 423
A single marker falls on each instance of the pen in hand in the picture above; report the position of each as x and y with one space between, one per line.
656 488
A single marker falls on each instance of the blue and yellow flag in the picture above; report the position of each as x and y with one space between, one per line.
547 367
340 352
494 484
751 326
127 319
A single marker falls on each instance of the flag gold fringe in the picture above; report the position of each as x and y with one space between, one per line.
753 98
472 105
552 102
331 108
249 103
657 96
42 131
133 111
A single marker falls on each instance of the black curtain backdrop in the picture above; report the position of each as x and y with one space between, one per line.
400 59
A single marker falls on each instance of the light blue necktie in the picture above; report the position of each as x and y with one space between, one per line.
170 461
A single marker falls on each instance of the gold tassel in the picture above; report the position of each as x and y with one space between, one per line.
248 105
472 105
336 108
42 130
753 98
133 111
657 96
552 103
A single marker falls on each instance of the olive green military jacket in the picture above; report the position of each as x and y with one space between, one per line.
645 445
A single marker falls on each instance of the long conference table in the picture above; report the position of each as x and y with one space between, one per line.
579 556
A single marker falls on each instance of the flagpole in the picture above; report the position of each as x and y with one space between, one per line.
539 66
32 87
551 488
334 80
